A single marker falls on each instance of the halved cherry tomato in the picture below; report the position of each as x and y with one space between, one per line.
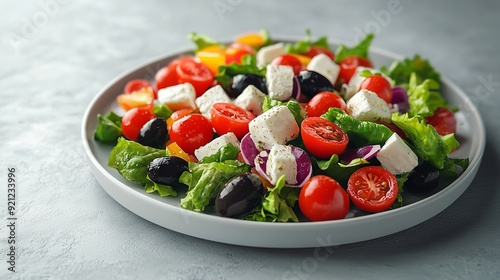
372 189
349 64
323 138
195 73
236 51
379 85
290 60
321 102
322 198
230 118
178 115
167 76
133 120
443 120
315 50
137 84
191 132
139 98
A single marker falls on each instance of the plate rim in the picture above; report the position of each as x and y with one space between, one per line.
99 171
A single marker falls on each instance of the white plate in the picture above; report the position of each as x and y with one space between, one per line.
167 213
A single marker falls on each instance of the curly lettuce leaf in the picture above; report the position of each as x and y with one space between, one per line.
163 190
202 41
360 50
277 204
454 167
424 98
360 133
108 128
297 111
401 179
131 159
248 66
336 169
303 46
428 144
400 71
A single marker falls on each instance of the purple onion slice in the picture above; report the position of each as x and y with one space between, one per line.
366 152
248 149
400 97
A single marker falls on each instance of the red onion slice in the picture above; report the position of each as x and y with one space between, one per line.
366 152
248 149
400 97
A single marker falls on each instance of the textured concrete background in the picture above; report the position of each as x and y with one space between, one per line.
56 55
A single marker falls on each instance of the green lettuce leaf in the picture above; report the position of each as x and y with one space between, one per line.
163 190
227 152
428 144
303 46
424 98
109 127
360 50
205 180
454 167
360 133
401 179
162 111
277 204
248 66
297 111
337 170
202 41
131 159
267 38
400 71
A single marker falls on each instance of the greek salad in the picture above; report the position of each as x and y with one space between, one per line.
264 130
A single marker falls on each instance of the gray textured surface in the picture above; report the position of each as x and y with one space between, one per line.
53 62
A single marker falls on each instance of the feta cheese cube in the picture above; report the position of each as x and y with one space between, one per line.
266 54
275 126
396 156
279 81
324 65
367 106
210 97
251 99
178 97
213 146
281 162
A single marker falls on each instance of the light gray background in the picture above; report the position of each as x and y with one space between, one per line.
56 56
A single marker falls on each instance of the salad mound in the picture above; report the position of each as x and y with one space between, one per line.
273 131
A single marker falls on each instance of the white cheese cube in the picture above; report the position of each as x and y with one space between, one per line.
279 81
367 106
213 146
210 97
275 126
281 162
396 156
324 65
178 97
266 54
251 99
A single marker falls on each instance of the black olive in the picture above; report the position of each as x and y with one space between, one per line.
167 170
312 82
239 196
241 81
423 178
154 133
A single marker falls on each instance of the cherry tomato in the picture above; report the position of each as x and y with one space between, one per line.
443 120
195 73
191 132
323 138
236 51
167 76
230 118
349 64
322 198
290 60
379 85
143 97
133 120
372 188
315 50
321 102
137 84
